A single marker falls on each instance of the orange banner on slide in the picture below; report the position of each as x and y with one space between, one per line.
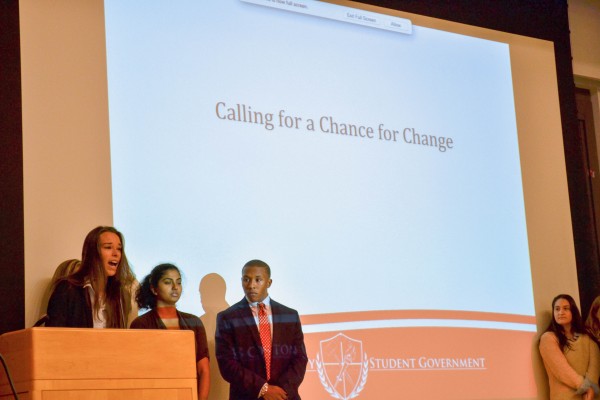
420 363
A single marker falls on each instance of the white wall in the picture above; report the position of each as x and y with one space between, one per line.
67 186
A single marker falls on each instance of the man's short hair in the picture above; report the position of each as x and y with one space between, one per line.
257 263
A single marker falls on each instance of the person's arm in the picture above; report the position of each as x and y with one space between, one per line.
229 357
593 370
556 362
202 361
203 378
291 378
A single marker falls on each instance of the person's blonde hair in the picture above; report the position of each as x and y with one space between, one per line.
64 269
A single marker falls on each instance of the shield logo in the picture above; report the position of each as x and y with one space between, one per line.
342 366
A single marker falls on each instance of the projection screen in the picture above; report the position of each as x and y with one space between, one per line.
376 160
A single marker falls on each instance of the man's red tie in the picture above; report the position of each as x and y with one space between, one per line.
265 335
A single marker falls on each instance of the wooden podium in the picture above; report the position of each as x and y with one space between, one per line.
99 364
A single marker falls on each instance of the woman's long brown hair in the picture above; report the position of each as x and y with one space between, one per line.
116 289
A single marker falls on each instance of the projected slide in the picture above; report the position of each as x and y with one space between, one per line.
373 163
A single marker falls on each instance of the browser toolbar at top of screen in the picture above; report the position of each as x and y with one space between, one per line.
339 13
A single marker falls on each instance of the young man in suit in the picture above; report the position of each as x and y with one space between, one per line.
259 343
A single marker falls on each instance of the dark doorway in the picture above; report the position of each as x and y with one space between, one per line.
589 275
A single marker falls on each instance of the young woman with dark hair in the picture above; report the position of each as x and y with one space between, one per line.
98 294
570 356
159 292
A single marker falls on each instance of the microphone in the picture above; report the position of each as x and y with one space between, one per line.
12 386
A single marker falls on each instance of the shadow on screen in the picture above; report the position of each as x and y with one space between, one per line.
212 296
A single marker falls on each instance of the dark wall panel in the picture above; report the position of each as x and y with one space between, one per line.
12 252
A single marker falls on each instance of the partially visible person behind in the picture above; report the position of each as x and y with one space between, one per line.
570 356
592 323
98 294
63 270
159 292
